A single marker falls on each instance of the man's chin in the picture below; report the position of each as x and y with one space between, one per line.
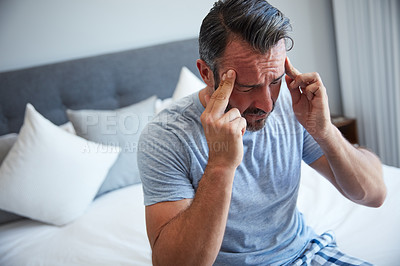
256 125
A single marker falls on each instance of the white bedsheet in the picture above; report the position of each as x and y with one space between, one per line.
112 231
372 234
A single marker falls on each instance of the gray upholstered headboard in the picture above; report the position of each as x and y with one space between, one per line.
102 82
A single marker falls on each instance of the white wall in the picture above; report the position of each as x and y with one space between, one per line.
46 31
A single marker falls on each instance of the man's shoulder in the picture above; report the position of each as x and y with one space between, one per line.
181 118
180 113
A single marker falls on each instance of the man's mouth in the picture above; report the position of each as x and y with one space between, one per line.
255 115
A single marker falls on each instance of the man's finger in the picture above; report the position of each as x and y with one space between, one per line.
294 92
220 98
314 89
290 70
304 80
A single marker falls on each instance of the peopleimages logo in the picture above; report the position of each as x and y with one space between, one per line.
113 124
93 147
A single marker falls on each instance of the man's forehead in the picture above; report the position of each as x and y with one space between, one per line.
240 54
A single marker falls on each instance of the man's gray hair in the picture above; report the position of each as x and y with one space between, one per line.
255 21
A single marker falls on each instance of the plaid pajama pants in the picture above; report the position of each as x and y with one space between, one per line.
323 251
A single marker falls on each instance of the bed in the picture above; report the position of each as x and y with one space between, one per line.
69 188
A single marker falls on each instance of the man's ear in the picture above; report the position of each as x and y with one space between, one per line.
206 73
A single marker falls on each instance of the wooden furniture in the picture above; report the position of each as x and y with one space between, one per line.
347 126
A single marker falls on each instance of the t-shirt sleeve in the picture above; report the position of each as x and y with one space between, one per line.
311 149
163 166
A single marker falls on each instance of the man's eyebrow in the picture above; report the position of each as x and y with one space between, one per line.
257 85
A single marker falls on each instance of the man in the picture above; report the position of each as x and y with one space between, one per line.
221 168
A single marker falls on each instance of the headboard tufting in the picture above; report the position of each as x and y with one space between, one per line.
101 82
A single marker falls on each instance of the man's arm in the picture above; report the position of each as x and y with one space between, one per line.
190 232
356 173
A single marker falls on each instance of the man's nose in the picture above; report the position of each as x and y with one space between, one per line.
263 99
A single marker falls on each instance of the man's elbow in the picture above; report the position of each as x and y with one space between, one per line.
378 198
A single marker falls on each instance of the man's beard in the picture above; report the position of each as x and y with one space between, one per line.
257 124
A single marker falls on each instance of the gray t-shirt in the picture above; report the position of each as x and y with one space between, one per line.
264 226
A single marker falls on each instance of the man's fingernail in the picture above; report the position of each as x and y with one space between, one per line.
230 73
224 77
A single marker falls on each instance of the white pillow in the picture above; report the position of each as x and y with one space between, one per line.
69 127
121 127
6 143
188 83
51 175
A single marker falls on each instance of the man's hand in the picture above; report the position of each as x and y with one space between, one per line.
310 101
223 131
356 173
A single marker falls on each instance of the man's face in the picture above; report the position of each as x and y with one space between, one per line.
258 80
